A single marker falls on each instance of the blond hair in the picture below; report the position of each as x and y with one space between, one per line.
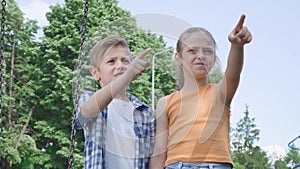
102 47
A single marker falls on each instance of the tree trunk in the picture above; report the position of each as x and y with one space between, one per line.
10 104
22 133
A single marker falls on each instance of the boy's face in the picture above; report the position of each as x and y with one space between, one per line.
113 64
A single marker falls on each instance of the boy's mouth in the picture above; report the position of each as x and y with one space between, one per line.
118 74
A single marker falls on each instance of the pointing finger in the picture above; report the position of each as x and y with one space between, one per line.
239 25
144 53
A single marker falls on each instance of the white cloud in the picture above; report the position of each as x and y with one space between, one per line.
35 9
274 152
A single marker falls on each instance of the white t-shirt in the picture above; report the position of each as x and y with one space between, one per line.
120 137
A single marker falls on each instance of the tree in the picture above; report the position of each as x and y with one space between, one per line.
292 158
19 97
59 51
39 78
245 134
245 154
280 164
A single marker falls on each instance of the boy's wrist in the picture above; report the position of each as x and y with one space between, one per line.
128 76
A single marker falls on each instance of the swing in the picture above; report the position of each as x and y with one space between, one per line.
293 147
1 57
78 68
78 80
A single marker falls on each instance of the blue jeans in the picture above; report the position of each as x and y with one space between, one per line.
182 165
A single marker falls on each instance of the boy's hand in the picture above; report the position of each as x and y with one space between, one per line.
139 65
240 34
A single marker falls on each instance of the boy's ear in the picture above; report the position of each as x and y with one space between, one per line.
95 73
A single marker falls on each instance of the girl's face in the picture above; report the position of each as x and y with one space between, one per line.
197 55
114 64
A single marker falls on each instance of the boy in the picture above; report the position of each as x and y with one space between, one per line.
119 129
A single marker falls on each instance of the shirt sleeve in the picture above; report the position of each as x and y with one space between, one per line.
80 121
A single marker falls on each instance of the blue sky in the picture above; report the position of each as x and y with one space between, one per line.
269 83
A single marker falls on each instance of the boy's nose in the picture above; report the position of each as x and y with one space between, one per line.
120 65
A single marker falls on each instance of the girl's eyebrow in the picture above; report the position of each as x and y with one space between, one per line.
208 47
198 47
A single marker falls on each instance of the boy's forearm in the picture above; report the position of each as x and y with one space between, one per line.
101 98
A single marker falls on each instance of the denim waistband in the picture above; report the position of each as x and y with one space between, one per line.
182 165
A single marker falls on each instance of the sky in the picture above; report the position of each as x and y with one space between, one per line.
269 83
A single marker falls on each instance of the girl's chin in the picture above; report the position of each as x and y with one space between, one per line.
200 76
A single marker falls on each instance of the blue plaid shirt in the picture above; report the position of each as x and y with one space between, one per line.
95 129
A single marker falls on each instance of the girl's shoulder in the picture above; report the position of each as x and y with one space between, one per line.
172 94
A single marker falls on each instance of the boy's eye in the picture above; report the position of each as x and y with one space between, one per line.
110 61
126 61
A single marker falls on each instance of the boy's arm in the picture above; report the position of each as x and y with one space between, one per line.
158 158
96 103
238 38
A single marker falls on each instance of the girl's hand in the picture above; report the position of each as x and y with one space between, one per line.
240 34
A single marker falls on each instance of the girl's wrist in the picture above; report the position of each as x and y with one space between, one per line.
238 46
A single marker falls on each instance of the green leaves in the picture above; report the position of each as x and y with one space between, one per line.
42 76
245 153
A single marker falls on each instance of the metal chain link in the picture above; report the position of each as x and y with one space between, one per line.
2 58
78 80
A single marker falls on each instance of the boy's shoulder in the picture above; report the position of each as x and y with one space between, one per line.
87 93
137 102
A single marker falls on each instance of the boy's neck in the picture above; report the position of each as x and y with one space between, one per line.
122 96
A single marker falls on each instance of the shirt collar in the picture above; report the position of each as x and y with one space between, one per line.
136 102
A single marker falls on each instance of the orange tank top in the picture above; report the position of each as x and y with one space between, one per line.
198 127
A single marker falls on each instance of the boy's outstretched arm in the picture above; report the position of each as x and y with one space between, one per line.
238 38
158 158
103 97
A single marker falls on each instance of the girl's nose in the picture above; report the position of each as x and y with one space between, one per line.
199 54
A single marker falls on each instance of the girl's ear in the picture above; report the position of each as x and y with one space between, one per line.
177 59
95 73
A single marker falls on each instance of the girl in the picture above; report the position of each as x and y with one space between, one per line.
193 122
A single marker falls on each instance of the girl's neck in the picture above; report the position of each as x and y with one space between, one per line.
194 84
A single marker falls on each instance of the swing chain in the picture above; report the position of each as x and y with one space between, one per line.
77 86
2 58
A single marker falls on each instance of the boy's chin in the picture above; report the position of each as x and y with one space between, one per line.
116 77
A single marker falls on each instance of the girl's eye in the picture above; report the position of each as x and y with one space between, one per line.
208 52
192 51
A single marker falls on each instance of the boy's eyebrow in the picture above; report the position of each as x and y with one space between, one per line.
110 57
122 57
